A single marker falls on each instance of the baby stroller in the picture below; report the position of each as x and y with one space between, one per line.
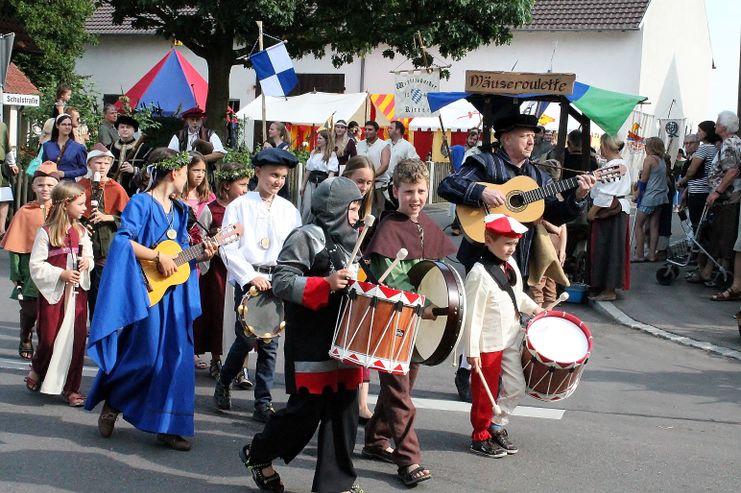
680 253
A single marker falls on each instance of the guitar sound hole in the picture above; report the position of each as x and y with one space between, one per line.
516 201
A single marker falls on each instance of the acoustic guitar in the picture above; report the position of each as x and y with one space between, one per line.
157 284
524 200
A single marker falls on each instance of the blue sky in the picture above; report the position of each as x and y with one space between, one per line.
724 19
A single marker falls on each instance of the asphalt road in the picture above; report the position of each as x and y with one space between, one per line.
649 415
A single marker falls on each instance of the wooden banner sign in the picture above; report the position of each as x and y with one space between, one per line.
483 82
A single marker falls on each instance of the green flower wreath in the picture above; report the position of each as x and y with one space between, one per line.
175 162
226 176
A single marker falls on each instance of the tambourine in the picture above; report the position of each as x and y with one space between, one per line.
261 314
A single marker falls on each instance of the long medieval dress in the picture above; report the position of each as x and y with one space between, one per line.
208 329
145 354
62 310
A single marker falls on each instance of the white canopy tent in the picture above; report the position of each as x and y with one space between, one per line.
312 108
458 116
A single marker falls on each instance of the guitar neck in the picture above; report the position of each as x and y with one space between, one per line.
189 254
549 190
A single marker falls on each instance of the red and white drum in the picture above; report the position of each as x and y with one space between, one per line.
377 327
556 347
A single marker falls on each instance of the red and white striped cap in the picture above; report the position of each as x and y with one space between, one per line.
503 225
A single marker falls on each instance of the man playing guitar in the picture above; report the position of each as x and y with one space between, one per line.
516 135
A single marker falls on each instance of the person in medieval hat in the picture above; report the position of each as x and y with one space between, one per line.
194 136
516 135
129 154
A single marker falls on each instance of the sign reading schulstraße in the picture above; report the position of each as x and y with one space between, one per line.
20 99
482 82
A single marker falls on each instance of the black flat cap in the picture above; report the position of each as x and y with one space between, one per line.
512 122
275 157
127 120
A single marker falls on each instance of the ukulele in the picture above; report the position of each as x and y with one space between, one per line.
524 200
157 284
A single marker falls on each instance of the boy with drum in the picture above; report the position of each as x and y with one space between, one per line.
310 275
410 228
492 335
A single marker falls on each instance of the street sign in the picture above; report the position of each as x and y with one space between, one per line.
20 99
513 83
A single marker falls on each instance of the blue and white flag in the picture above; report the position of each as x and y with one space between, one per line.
274 70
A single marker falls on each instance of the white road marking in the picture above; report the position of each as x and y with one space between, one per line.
419 402
464 407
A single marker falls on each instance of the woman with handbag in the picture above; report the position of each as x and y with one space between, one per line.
609 216
70 156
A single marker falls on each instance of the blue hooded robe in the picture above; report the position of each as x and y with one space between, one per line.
145 355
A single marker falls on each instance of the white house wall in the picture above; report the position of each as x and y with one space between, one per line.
676 60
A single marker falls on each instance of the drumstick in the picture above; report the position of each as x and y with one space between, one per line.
494 405
564 296
368 221
400 255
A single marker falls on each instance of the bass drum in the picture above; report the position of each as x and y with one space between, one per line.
443 286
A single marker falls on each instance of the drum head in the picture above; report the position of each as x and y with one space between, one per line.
442 286
263 313
559 339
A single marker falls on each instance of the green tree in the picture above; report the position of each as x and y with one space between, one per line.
57 27
223 31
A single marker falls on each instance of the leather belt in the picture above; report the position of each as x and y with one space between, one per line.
262 269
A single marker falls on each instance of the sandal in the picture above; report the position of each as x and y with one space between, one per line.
638 260
729 294
215 368
74 399
268 483
32 384
201 365
415 476
378 453
25 350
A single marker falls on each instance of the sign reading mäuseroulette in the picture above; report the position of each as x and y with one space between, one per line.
483 82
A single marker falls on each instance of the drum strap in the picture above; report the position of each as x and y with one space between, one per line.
500 278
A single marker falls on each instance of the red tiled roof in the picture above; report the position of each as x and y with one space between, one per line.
16 82
587 15
548 15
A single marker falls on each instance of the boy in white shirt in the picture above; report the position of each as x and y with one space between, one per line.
493 334
267 219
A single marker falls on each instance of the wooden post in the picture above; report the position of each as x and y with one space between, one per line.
262 93
563 122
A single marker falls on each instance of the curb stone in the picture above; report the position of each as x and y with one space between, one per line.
609 309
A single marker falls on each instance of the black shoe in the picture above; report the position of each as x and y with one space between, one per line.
267 483
501 438
463 384
263 414
222 396
487 448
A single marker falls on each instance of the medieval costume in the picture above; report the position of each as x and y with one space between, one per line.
394 414
111 199
145 354
62 310
134 151
323 391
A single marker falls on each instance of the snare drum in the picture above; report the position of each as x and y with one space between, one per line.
377 327
555 349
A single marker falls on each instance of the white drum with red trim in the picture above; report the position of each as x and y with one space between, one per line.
377 327
555 349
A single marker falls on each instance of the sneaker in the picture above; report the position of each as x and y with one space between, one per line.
263 414
463 384
501 438
222 396
487 448
242 380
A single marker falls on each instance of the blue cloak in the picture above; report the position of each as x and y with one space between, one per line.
145 355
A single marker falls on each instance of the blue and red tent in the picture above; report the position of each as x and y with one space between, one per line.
173 85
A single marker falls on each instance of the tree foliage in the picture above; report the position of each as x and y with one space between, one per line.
223 31
57 27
